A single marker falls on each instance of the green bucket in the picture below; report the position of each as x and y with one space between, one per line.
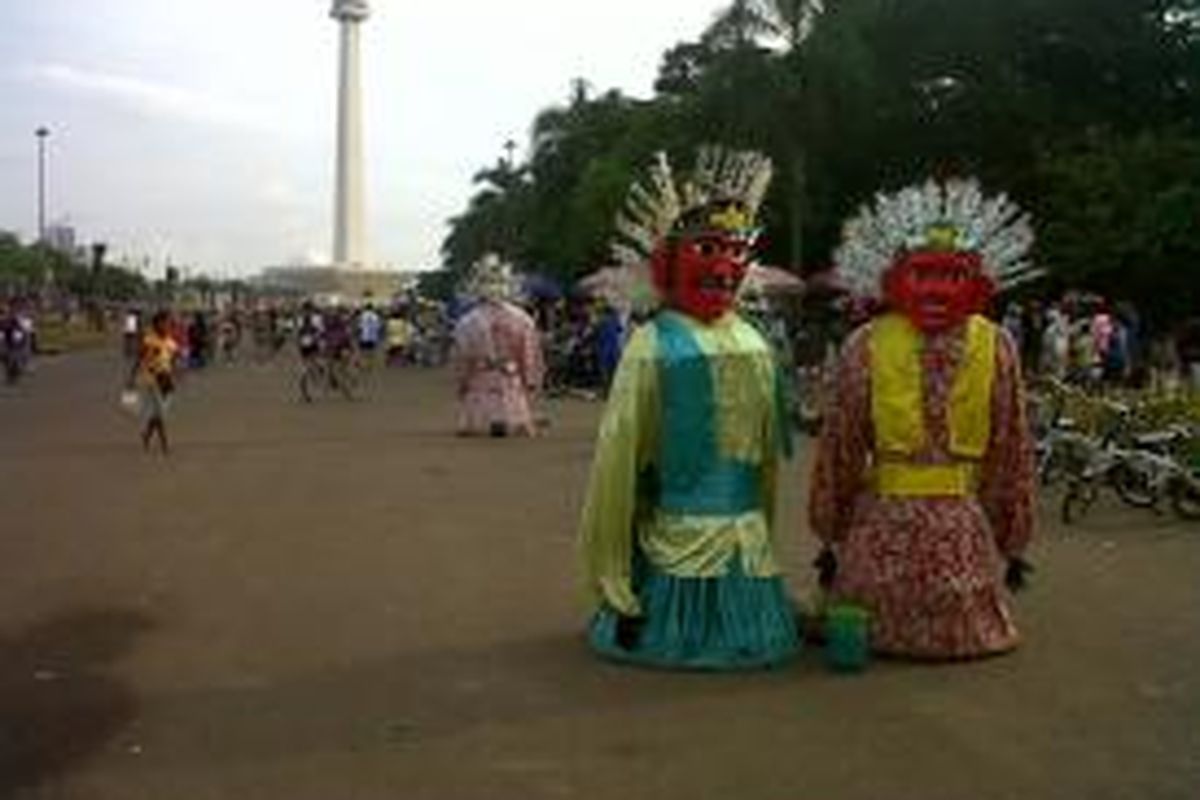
847 638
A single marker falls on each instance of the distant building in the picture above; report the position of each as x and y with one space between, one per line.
330 282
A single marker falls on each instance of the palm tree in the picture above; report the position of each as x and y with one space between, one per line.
793 20
739 26
747 22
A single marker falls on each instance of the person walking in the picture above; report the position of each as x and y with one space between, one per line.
370 331
153 374
198 341
132 333
1056 344
610 336
12 345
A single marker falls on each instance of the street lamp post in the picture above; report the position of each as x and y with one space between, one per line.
42 133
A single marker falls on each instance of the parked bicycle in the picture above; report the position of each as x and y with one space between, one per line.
1142 469
1159 469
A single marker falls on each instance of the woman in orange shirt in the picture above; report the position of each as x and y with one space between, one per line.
154 375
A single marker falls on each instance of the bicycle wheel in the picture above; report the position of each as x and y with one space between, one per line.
1076 502
1063 459
1185 497
12 368
348 380
306 382
1133 486
1050 467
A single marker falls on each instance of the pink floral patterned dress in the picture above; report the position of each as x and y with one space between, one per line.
929 569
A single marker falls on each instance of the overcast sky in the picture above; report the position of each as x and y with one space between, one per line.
202 131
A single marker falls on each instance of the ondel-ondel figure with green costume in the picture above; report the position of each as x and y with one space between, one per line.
676 531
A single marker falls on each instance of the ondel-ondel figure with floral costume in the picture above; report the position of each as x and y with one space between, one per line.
497 357
923 487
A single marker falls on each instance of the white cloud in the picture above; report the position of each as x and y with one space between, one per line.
205 129
282 193
153 98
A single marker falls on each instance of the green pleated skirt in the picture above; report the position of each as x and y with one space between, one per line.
732 622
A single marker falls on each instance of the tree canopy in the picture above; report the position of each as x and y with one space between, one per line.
1086 111
26 270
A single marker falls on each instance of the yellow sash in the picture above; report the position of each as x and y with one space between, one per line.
893 479
897 407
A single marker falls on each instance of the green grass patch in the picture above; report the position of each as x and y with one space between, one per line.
57 337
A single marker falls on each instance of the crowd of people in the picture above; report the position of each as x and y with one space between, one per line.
162 344
1078 338
1089 341
407 331
922 492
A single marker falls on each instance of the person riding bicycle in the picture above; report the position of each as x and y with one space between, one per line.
309 332
338 337
327 350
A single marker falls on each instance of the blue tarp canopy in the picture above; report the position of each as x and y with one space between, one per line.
540 286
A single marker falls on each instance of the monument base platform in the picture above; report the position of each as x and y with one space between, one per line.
350 285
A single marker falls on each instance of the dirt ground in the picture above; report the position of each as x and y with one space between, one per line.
344 601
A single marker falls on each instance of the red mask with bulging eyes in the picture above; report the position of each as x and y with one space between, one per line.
699 275
938 291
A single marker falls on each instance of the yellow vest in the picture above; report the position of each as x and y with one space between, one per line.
898 410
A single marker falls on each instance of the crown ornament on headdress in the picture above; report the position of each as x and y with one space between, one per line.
491 278
950 217
723 193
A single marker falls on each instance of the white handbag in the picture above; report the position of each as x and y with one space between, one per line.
131 401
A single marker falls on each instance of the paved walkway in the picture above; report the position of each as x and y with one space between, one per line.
342 601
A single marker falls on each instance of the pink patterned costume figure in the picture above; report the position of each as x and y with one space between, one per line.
923 486
497 360
927 567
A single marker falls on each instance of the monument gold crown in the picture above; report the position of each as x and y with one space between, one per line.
350 10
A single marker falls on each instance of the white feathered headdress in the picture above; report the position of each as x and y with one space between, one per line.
952 216
492 279
730 183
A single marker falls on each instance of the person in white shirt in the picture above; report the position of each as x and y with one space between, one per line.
1056 344
29 329
370 329
131 328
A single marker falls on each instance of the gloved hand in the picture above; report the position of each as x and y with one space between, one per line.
1016 575
629 631
826 565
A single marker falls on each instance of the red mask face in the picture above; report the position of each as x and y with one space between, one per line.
937 291
701 274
